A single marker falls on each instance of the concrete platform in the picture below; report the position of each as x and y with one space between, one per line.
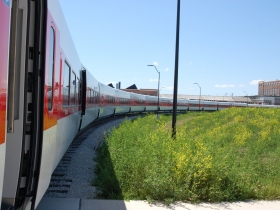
59 204
95 204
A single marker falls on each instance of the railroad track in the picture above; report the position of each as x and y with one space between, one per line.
75 171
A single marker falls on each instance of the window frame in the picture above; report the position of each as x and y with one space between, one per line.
68 91
51 68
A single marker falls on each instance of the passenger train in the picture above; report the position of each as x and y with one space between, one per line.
47 96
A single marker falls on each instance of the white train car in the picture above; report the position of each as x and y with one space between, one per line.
193 105
137 102
235 104
122 102
263 106
151 103
165 104
106 101
4 57
223 105
210 105
92 100
182 104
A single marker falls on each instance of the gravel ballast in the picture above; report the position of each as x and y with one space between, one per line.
73 176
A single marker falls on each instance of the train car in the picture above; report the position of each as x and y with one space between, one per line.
193 105
242 105
25 97
46 100
151 103
182 104
106 101
122 102
263 106
210 105
223 105
137 102
4 58
92 100
165 104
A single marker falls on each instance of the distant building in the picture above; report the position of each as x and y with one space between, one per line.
271 88
237 99
133 89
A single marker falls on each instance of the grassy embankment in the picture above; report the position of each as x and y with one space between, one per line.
227 155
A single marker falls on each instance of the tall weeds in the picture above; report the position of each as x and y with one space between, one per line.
226 155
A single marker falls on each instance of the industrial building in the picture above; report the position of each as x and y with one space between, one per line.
271 88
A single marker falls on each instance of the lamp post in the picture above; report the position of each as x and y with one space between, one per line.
158 87
247 96
224 96
199 94
175 87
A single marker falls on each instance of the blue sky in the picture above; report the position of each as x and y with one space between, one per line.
225 45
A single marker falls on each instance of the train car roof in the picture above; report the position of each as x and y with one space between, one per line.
66 43
122 94
105 89
133 95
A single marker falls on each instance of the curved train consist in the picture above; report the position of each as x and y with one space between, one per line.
47 96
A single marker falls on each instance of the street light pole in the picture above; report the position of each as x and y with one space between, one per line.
199 94
158 87
175 87
224 96
247 96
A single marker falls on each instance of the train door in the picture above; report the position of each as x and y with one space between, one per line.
24 102
4 58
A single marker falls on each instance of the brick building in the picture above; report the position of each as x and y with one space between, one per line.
271 88
133 89
150 92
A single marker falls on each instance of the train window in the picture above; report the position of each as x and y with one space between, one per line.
90 96
66 85
77 90
51 68
96 98
73 88
79 83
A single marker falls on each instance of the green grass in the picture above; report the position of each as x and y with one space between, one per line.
226 155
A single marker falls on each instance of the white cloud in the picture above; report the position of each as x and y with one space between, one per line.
153 80
242 85
190 63
166 69
224 86
155 63
255 82
135 78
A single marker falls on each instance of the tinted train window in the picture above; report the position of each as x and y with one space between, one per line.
51 67
73 88
93 97
66 85
79 83
77 90
88 95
